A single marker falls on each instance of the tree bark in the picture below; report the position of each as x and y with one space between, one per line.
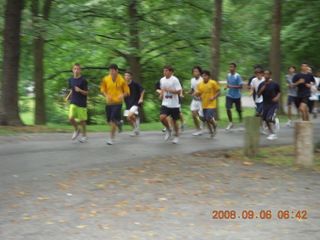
133 59
38 51
275 54
9 108
215 43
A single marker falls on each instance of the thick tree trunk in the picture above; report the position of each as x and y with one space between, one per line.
134 61
215 42
275 54
9 109
38 50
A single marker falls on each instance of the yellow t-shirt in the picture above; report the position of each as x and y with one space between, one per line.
208 90
114 88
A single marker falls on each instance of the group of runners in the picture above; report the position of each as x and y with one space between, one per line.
204 91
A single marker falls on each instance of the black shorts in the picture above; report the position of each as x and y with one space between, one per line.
268 111
173 112
113 113
236 101
304 100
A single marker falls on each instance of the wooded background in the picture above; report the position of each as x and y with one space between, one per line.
42 39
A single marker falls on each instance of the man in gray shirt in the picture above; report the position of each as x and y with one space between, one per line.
292 93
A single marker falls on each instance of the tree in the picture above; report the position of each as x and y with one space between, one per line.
38 50
9 109
275 49
215 42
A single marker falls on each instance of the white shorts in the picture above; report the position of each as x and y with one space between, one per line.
196 106
133 109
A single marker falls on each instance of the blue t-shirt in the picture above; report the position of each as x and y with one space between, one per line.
303 91
271 91
78 98
135 92
234 80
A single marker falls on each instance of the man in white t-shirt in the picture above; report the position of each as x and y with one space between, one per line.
254 90
170 91
196 104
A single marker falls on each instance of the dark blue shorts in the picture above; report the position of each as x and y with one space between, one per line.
113 113
268 111
259 108
236 101
208 113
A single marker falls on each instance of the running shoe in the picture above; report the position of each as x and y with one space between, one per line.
229 126
120 126
83 139
272 137
175 140
110 141
198 133
168 135
289 123
75 134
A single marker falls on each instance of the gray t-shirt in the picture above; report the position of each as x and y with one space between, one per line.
292 91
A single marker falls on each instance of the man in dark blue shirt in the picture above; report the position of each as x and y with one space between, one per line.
78 104
133 102
304 81
271 92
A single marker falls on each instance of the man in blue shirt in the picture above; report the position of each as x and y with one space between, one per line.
234 83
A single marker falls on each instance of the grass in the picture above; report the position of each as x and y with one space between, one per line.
276 155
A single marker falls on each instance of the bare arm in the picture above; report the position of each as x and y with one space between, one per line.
77 89
69 96
215 95
141 97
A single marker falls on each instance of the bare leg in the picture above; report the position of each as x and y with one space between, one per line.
289 112
229 114
176 127
304 111
73 123
84 128
195 119
131 118
164 121
113 126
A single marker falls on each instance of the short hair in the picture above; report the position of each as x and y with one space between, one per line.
304 62
206 72
197 67
169 68
77 64
129 72
268 71
235 65
257 66
259 71
292 67
113 66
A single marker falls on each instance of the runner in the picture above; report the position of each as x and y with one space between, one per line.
78 104
196 105
234 83
209 90
270 90
114 88
133 102
170 91
292 93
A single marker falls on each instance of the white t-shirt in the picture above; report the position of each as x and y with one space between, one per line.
170 100
314 90
255 84
194 85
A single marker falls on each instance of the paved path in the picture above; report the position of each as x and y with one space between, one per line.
144 188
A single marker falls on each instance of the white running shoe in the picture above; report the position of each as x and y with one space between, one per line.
272 137
264 131
110 141
83 139
229 126
289 123
75 134
168 135
175 140
277 125
211 135
198 133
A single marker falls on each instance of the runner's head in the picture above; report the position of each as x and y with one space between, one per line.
267 74
76 69
232 67
196 71
206 75
128 76
113 69
292 69
259 73
168 71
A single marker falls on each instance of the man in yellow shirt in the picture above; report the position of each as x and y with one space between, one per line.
208 90
114 88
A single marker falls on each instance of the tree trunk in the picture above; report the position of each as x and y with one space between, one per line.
134 60
275 54
9 108
215 43
38 50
